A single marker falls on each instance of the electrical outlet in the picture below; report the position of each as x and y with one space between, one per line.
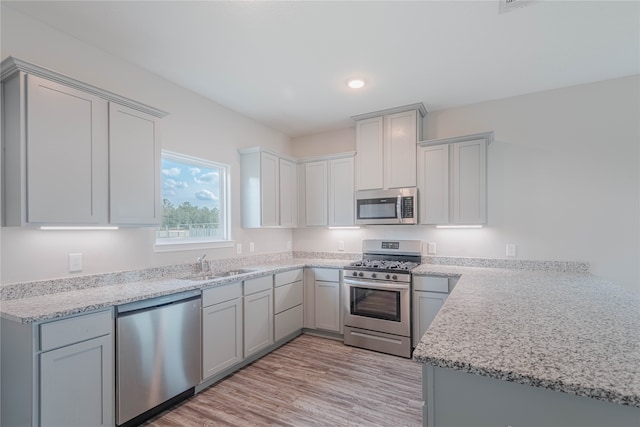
511 249
239 248
431 248
288 245
75 263
341 245
252 247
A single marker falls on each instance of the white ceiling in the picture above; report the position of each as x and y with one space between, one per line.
285 64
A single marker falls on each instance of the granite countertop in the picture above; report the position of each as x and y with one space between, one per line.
565 331
59 304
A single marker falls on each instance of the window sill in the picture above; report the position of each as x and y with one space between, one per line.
188 246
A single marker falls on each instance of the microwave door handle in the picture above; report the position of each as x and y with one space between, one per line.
399 209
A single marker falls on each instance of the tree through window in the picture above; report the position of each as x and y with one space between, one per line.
194 200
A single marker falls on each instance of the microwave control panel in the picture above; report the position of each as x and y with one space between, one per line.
407 207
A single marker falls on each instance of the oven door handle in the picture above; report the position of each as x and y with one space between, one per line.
376 285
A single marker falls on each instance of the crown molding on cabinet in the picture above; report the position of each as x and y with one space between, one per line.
418 106
488 136
250 150
258 149
328 157
13 65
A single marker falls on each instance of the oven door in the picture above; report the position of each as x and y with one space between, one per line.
378 306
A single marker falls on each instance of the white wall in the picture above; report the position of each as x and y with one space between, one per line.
322 144
195 126
564 181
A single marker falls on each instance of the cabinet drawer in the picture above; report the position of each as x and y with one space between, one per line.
327 274
76 329
288 322
431 283
288 296
260 284
288 277
221 294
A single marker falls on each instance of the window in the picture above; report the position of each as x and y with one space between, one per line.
195 201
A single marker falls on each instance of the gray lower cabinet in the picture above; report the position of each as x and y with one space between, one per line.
322 299
58 373
258 314
76 384
222 332
288 303
429 294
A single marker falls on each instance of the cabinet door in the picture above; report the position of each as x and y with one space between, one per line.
221 336
400 139
327 302
77 384
134 165
288 193
370 152
341 192
425 307
316 193
270 189
66 154
469 182
258 322
433 184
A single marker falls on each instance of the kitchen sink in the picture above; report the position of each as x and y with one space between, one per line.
234 272
218 275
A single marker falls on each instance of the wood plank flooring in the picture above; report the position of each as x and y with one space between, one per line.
310 381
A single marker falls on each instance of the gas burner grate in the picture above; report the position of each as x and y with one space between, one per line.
385 264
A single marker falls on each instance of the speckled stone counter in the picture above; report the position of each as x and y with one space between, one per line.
566 331
82 297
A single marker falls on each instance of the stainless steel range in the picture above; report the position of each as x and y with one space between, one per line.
377 296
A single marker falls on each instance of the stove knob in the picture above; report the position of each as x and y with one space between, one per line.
394 277
355 273
387 277
373 275
360 274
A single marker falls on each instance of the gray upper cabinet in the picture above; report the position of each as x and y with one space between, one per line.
71 149
288 193
316 191
327 191
452 180
386 147
341 192
55 144
134 164
268 182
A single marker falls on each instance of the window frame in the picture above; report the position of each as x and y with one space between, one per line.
168 244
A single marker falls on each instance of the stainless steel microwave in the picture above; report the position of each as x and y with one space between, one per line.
396 206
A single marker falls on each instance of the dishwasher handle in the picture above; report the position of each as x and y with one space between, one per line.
129 308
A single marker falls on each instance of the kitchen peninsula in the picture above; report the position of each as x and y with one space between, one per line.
507 341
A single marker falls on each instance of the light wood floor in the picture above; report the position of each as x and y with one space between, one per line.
310 381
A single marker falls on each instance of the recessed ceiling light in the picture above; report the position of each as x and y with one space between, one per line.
355 83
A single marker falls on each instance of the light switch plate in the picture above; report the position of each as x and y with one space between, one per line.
75 263
341 245
239 248
511 249
288 245
252 247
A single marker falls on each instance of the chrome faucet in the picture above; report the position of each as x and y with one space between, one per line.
201 262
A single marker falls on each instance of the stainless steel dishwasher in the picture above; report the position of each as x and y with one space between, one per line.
158 354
